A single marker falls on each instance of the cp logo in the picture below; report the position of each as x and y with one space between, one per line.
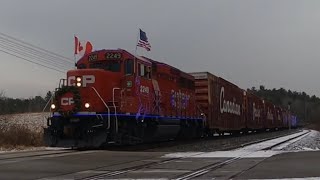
86 79
65 101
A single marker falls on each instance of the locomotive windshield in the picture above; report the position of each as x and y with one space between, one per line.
113 66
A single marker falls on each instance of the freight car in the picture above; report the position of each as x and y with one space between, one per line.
254 112
222 103
230 109
116 97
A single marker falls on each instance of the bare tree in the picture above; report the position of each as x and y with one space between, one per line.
2 95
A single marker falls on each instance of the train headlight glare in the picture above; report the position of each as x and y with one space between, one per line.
53 106
78 84
78 79
87 105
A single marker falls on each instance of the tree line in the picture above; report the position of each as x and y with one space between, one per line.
306 107
19 105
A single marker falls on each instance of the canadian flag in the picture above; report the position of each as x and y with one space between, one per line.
79 49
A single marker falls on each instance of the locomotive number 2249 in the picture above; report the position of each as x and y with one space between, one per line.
144 89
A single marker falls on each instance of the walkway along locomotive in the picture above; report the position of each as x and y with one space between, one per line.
116 97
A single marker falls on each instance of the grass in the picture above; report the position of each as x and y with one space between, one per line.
15 136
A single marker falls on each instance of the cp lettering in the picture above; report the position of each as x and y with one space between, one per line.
66 101
85 80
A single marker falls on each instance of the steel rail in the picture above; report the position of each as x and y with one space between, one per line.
215 166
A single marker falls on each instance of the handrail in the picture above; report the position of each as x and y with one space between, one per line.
104 105
115 108
63 82
48 102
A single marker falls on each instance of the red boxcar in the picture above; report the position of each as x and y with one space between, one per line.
221 102
206 95
285 115
269 115
279 117
254 115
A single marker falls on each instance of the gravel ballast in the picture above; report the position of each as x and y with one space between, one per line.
220 143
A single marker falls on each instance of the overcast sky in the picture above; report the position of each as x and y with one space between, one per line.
248 42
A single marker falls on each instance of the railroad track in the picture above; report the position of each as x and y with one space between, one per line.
148 162
142 147
190 175
30 155
216 166
172 143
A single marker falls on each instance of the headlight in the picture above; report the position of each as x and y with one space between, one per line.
78 84
53 106
87 105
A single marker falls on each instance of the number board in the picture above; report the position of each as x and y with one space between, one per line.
93 57
111 55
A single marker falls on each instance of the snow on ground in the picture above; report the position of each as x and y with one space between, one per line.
269 143
307 142
309 178
33 149
311 142
22 149
33 121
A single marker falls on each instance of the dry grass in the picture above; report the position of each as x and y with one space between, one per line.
21 131
15 136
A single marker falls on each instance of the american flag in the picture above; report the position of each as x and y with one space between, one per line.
143 41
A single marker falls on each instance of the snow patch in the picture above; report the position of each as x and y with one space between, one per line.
311 142
225 154
310 178
56 148
251 151
33 121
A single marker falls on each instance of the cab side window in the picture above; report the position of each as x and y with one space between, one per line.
148 72
128 67
81 66
144 71
141 70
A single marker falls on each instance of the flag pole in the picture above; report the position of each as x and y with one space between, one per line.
74 54
135 53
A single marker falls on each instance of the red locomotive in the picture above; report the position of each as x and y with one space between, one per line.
116 97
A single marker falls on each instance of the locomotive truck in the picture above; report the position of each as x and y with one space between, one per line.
115 97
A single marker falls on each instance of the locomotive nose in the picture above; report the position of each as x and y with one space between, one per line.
95 89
